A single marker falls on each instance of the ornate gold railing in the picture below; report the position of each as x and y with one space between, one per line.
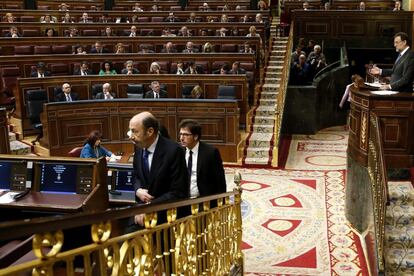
280 103
378 177
207 242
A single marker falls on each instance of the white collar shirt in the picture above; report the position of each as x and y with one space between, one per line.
194 192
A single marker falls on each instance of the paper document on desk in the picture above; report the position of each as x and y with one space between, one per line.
115 158
384 92
373 84
8 197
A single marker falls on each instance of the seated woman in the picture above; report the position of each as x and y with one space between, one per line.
92 147
107 69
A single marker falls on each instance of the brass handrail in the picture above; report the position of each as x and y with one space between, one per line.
280 103
378 177
207 242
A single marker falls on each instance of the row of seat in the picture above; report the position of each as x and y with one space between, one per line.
35 99
69 49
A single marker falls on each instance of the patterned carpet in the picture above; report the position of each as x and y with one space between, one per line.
293 219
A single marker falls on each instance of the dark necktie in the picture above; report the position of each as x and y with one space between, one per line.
398 58
156 95
145 163
190 165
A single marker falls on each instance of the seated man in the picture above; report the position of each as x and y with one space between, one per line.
83 70
171 18
41 71
132 32
13 32
106 93
144 49
189 48
67 95
168 48
247 49
299 72
98 48
193 69
316 60
129 68
236 70
84 18
156 92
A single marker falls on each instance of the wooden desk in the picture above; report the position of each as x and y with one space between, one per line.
65 125
83 86
396 116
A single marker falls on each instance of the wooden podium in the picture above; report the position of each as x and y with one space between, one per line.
396 115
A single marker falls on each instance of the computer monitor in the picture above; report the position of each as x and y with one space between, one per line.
14 174
65 177
124 180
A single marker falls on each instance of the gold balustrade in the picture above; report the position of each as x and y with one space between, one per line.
280 102
207 242
378 177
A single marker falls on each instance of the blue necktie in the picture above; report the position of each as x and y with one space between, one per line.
398 58
190 165
145 163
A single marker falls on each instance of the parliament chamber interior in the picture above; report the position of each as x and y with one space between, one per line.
308 107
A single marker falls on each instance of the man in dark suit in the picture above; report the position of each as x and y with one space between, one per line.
83 70
99 49
204 164
41 71
236 70
106 93
156 92
129 68
67 95
402 73
159 164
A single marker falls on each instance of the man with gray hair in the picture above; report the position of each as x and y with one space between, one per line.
156 92
106 93
129 68
316 60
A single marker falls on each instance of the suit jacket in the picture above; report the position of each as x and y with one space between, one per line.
78 72
134 71
198 69
101 96
239 71
168 178
62 98
194 50
402 73
33 74
210 172
150 94
103 51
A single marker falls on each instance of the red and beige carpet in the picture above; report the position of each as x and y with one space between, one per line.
293 219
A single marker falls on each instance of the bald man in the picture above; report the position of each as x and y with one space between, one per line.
159 164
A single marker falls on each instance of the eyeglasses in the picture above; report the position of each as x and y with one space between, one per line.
185 134
397 42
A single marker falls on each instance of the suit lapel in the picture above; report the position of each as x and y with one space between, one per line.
199 161
140 169
157 160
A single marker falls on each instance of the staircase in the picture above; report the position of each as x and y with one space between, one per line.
399 229
259 142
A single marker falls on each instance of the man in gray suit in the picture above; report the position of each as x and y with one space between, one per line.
402 73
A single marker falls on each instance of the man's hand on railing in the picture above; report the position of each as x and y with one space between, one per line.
144 196
139 219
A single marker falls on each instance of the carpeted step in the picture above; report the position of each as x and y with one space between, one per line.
253 152
268 95
263 128
399 261
272 74
257 160
273 68
260 140
19 148
272 80
265 111
264 120
271 87
399 215
395 237
401 192
278 52
276 62
268 102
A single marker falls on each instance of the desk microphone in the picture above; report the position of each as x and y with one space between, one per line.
21 195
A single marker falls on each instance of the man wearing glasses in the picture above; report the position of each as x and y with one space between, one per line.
159 164
204 164
402 73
